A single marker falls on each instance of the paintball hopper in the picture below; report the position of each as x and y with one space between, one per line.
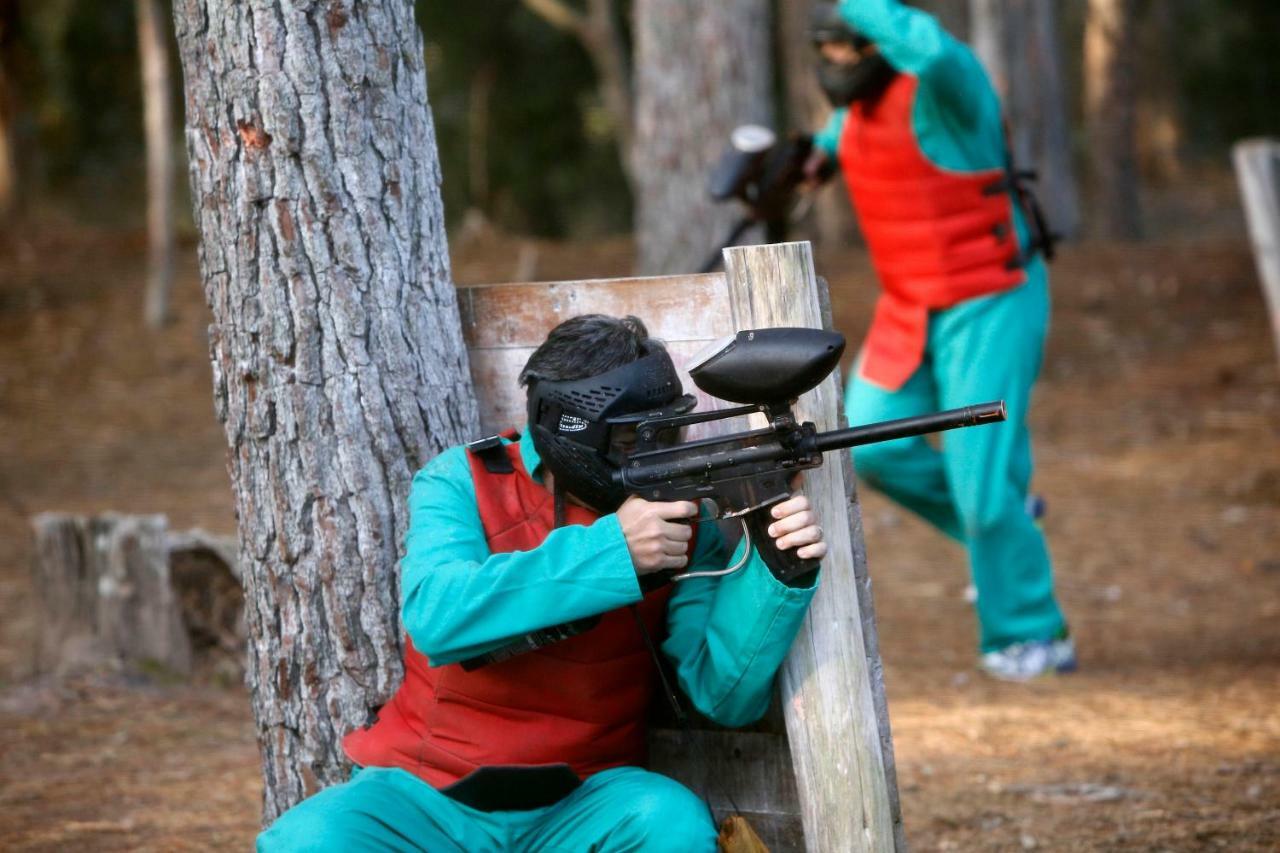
766 365
742 163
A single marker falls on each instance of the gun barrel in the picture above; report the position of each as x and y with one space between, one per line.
642 473
980 413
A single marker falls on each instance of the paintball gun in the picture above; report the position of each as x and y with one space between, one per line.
745 473
763 173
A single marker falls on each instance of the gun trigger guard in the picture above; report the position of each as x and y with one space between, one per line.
738 513
742 561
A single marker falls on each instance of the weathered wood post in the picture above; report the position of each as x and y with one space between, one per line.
832 684
1257 164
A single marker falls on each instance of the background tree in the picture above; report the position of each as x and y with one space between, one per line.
598 28
701 69
1109 117
8 107
338 360
1018 43
153 54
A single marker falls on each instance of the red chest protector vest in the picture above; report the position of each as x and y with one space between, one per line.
582 701
936 237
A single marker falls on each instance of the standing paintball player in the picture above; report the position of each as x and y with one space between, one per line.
919 135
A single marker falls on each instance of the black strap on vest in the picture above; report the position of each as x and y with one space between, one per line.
492 453
534 640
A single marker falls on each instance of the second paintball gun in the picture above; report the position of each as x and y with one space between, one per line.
763 172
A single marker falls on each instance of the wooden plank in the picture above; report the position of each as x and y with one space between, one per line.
739 772
502 324
832 682
1257 163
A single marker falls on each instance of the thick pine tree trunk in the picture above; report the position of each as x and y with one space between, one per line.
153 53
338 360
701 69
1018 43
1110 107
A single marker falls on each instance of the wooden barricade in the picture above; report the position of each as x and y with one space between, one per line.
840 785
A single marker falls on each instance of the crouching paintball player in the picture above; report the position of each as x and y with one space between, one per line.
958 245
512 539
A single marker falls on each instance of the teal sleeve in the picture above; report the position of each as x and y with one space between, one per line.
828 139
913 41
458 600
728 636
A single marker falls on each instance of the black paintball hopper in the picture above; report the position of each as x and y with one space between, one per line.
766 365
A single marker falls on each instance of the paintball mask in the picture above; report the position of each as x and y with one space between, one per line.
580 427
844 83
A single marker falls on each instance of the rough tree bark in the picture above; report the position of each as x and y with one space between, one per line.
153 53
337 352
701 70
1109 116
597 30
1018 43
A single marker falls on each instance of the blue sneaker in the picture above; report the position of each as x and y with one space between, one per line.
1026 661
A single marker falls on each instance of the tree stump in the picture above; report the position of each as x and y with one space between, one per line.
104 594
122 593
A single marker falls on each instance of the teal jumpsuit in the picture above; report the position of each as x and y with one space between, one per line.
974 489
726 638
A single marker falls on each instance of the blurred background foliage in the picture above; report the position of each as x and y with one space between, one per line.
524 138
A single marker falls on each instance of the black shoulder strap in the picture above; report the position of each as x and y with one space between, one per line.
492 453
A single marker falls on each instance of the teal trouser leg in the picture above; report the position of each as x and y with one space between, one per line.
624 809
381 808
975 488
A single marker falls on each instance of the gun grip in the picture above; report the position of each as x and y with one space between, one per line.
787 566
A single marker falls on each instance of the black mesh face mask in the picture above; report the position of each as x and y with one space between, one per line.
863 80
575 423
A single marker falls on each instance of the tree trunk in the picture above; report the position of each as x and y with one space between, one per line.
701 70
153 53
337 352
1161 119
807 111
8 108
597 31
1109 116
954 16
1018 43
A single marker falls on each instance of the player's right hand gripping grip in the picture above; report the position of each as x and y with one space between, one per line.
787 566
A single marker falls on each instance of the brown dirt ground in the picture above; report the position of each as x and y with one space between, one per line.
1158 440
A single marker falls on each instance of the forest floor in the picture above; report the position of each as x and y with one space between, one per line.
1157 430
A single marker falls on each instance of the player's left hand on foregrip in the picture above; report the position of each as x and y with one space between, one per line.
796 527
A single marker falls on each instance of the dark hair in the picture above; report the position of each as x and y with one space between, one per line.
588 345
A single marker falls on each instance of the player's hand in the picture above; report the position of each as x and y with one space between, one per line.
815 169
795 527
656 541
